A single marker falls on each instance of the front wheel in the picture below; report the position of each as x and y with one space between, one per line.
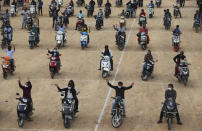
5 75
104 74
185 81
117 120
20 122
66 122
196 29
169 123
144 46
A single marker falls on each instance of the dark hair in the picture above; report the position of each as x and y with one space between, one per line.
106 47
71 84
170 85
9 48
120 83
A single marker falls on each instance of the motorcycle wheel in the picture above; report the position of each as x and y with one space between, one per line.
144 47
31 45
52 74
82 46
5 75
115 122
196 29
104 74
58 46
144 77
185 81
169 123
20 122
66 122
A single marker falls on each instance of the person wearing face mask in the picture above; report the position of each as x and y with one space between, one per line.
70 87
170 93
56 54
120 90
27 94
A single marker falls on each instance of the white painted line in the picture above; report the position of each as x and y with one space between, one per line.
114 78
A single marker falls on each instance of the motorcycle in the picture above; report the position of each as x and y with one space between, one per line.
20 3
5 40
79 3
33 40
142 20
117 112
23 110
147 71
143 41
6 67
12 11
84 40
197 25
176 42
158 3
107 12
59 22
98 24
89 10
183 72
60 3
68 109
119 3
170 111
176 11
151 11
99 2
49 10
59 39
54 66
121 40
33 10
167 22
79 24
131 13
29 22
105 66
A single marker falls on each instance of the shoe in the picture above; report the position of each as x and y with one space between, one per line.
160 121
179 123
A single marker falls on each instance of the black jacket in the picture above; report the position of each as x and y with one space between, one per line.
72 90
54 54
119 91
178 58
170 94
92 3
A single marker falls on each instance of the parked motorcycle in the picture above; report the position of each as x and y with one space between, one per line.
70 11
105 66
117 112
176 11
33 10
79 3
143 40
23 110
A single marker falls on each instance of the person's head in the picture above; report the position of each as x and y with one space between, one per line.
197 11
170 87
142 10
100 9
26 84
107 1
167 10
61 25
71 84
120 84
106 47
151 1
181 52
177 26
9 48
149 52
80 11
55 50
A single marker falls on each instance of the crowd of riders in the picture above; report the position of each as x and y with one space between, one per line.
60 21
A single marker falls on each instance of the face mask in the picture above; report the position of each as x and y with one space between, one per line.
119 87
169 88
26 85
69 88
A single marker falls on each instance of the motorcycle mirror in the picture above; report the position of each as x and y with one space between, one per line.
17 94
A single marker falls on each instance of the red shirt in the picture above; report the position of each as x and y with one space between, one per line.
144 30
143 13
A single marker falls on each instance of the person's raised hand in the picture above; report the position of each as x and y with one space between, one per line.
132 84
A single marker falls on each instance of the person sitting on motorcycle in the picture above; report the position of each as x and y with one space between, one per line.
123 13
120 29
177 59
147 59
92 4
151 4
9 30
177 30
6 16
100 16
145 30
15 5
56 54
86 29
167 13
71 3
197 16
80 15
9 53
71 87
123 21
170 93
142 14
178 9
107 52
27 94
129 7
120 91
62 29
108 5
33 2
35 30
54 3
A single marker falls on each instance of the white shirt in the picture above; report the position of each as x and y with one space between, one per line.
9 53
110 52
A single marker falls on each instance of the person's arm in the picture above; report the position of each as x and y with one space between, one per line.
19 82
58 87
175 95
175 58
29 82
126 88
14 48
109 84
166 95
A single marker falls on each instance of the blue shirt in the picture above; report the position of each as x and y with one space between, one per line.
151 5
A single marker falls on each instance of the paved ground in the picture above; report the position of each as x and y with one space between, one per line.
143 102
